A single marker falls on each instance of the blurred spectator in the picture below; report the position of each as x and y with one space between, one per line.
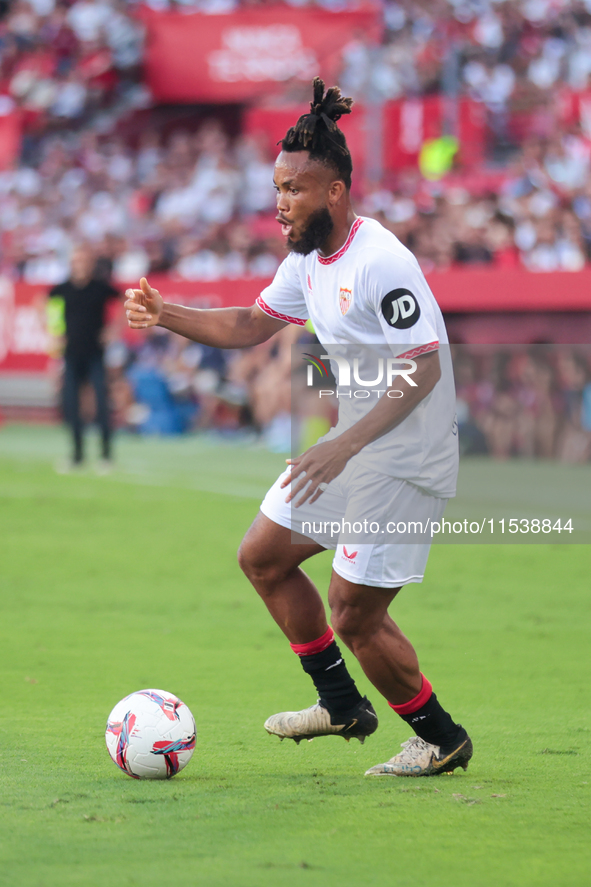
78 313
574 375
529 402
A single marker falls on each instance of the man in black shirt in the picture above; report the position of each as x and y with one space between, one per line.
83 299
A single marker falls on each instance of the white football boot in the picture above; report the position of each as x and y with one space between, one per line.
360 722
420 758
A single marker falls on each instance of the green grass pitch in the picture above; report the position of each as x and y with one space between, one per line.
113 584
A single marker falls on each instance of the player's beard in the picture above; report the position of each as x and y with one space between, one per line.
318 229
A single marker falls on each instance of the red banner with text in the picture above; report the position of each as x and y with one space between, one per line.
248 54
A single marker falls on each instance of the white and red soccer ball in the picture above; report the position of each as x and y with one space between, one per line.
151 734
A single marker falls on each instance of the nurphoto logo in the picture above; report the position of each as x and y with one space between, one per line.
386 371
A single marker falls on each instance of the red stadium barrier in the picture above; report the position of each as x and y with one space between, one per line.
509 290
222 58
23 339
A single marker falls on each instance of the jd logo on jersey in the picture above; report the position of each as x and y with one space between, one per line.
401 309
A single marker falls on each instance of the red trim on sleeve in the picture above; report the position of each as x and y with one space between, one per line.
268 310
316 646
420 349
330 259
423 696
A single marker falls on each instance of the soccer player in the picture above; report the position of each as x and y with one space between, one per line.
359 285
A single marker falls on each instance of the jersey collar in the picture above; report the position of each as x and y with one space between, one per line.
328 260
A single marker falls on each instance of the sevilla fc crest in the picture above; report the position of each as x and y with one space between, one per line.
345 299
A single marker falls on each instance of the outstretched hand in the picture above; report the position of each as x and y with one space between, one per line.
143 306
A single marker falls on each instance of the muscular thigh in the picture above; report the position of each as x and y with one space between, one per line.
268 543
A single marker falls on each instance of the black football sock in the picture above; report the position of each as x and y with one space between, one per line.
430 720
336 688
433 724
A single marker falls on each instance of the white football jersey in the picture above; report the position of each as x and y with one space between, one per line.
373 292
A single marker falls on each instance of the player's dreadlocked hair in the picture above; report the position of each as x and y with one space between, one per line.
318 133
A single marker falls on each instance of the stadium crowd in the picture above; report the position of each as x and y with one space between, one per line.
502 52
200 205
201 208
186 207
532 402
61 59
56 56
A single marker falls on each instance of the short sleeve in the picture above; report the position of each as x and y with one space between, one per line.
284 297
404 304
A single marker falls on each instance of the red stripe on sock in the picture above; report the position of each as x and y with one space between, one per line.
316 646
407 708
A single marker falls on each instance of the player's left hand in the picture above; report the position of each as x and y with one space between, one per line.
318 465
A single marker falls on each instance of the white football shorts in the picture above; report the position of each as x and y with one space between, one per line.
358 510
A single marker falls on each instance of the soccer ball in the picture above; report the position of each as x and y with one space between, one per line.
151 734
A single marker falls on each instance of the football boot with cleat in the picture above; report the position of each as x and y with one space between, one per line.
309 723
420 758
